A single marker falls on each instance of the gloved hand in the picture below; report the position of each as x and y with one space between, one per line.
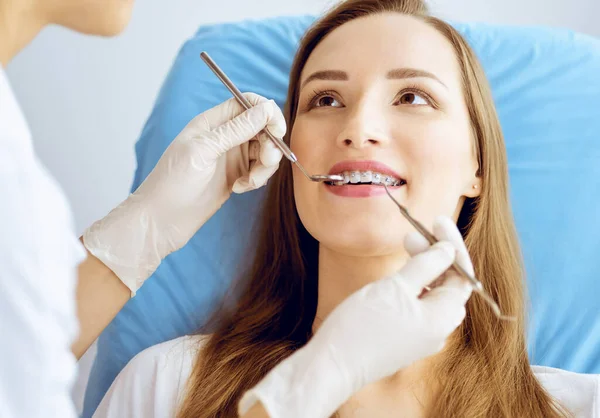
216 153
374 333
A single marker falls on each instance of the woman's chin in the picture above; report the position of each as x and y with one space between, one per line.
352 240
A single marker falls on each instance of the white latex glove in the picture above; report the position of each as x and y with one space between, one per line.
375 332
216 153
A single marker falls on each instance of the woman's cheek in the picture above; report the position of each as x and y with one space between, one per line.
311 141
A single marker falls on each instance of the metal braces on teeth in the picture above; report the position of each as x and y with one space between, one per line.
377 179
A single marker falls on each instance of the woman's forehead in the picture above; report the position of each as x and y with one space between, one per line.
374 45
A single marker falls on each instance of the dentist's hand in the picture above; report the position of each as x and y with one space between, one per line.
375 332
216 153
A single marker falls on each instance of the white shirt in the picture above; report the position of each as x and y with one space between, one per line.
39 254
153 384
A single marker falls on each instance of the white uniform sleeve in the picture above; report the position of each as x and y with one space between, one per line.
153 383
39 254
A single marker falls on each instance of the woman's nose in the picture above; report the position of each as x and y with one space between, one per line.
364 127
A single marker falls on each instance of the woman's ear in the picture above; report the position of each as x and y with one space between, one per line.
473 188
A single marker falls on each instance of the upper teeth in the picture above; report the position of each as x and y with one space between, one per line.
367 177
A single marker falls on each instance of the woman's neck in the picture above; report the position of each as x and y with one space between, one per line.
341 275
20 22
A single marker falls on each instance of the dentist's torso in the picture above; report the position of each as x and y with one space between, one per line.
39 254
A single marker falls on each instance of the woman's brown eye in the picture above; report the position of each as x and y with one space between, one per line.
412 99
325 101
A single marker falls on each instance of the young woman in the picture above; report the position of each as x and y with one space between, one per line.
378 87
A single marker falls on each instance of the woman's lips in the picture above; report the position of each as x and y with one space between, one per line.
359 190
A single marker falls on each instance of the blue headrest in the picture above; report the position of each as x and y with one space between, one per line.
546 84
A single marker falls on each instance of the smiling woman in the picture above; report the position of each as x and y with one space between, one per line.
379 91
399 104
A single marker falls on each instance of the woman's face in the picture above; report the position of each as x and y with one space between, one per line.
95 17
381 94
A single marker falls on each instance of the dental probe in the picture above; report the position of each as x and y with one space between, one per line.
477 286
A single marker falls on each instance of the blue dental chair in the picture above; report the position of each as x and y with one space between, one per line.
546 85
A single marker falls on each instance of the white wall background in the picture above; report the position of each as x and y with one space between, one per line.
87 98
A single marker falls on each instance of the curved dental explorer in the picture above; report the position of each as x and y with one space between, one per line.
246 104
477 286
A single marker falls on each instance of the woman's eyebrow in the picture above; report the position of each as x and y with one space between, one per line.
326 75
396 73
399 73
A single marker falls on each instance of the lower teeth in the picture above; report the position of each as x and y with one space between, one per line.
396 183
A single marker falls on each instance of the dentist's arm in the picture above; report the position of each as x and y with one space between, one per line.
100 297
377 331
217 153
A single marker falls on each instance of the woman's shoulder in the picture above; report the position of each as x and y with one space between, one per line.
153 382
578 392
170 353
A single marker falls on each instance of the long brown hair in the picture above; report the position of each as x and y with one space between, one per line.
487 371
